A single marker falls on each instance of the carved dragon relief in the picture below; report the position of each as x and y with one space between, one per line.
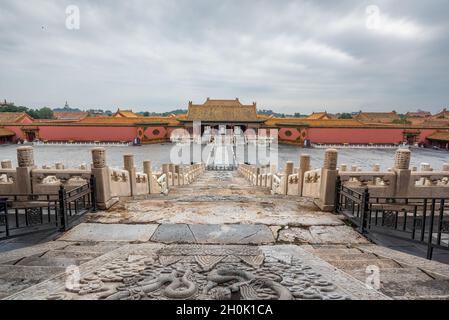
192 273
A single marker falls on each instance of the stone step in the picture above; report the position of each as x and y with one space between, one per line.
363 264
343 256
57 259
408 283
17 278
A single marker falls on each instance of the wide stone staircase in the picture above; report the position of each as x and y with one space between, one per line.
219 222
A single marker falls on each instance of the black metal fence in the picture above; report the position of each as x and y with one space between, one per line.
421 220
22 214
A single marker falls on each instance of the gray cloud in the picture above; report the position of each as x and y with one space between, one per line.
292 56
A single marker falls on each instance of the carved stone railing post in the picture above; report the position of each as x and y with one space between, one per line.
166 171
181 175
445 167
304 165
25 160
257 174
128 161
171 167
101 173
59 166
288 170
6 164
326 202
403 172
148 171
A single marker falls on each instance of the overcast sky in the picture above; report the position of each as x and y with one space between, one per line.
290 56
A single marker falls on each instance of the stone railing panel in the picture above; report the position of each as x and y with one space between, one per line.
312 183
429 184
119 182
49 180
141 184
380 184
8 181
293 184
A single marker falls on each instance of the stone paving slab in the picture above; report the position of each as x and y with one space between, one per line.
173 233
15 255
232 234
153 271
110 232
322 235
17 278
213 234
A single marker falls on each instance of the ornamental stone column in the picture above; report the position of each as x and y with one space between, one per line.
147 169
25 160
128 164
171 167
329 174
166 171
288 170
257 173
403 172
178 170
59 166
101 173
304 166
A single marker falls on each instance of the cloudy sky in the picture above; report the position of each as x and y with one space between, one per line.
290 56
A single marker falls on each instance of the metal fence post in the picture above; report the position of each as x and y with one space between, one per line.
337 195
93 193
365 209
430 236
4 208
63 208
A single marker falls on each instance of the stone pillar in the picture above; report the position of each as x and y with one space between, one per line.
6 164
59 166
403 172
425 167
166 171
304 166
288 170
445 167
25 159
172 170
329 175
344 168
376 168
181 174
257 173
148 171
101 173
353 168
128 161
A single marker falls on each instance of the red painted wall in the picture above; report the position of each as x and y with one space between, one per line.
316 135
362 135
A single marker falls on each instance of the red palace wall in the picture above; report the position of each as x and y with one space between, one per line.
79 133
292 135
362 135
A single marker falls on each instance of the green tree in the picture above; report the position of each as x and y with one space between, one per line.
345 115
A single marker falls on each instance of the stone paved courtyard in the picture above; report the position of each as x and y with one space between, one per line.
218 238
